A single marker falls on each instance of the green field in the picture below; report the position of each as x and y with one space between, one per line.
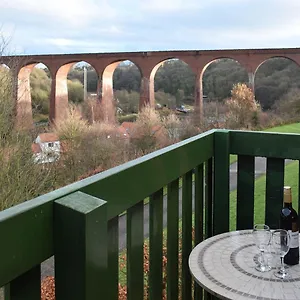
290 128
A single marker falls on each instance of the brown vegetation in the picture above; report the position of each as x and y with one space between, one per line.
89 147
92 147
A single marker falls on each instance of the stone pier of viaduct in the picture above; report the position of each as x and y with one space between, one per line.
105 64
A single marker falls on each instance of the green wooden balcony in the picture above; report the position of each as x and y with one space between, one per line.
78 224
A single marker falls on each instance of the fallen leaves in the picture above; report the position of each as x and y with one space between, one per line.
48 288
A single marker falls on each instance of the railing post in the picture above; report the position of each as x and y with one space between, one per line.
221 182
80 247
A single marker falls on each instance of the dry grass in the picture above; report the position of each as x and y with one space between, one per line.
149 133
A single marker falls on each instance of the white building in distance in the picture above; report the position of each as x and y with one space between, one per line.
46 148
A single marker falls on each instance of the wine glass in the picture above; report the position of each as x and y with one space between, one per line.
262 238
281 246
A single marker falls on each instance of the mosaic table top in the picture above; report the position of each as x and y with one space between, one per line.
224 265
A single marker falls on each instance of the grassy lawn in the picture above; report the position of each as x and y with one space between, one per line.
290 128
232 158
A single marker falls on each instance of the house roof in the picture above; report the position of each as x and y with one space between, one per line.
35 148
129 126
48 137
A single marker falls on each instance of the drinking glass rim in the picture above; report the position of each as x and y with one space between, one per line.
265 227
279 231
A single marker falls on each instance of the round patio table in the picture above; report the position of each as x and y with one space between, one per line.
224 265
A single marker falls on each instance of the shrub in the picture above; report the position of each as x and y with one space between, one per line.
242 107
149 133
270 119
288 107
89 147
87 110
20 178
70 131
214 114
40 85
165 99
71 127
173 126
189 128
90 154
128 102
75 91
164 112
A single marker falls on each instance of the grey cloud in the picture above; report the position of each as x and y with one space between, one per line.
226 25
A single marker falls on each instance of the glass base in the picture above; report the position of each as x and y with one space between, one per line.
281 274
262 268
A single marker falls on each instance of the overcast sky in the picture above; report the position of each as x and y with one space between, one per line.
75 26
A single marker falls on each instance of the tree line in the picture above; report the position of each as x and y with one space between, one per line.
175 83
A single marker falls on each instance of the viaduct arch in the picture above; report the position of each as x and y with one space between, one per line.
105 64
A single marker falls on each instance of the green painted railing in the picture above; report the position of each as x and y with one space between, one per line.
78 224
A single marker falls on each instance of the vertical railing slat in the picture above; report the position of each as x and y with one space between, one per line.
199 203
25 287
156 245
187 186
208 206
274 191
172 240
221 183
198 220
208 198
113 259
135 252
245 192
298 206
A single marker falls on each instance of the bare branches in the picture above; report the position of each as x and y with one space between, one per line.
4 42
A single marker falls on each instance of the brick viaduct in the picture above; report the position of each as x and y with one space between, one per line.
105 64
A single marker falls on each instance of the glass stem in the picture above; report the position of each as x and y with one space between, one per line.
262 257
282 270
